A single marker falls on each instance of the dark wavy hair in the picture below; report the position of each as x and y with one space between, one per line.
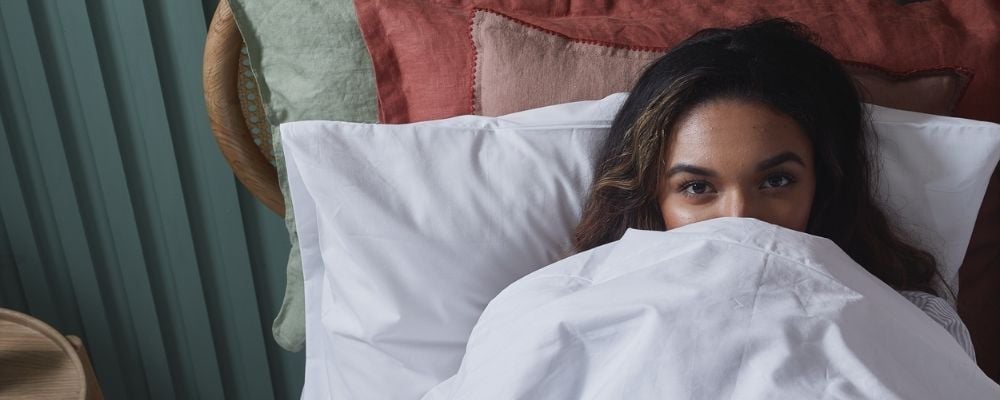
774 62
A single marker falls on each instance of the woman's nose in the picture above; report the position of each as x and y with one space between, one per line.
737 205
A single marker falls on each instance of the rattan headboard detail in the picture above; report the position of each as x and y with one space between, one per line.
233 119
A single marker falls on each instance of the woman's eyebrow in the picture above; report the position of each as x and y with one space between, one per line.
691 169
763 165
779 159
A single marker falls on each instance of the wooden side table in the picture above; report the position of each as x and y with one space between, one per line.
38 362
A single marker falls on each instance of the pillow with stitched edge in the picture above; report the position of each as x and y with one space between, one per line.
520 66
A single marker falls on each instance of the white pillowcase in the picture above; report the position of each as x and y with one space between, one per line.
933 175
408 231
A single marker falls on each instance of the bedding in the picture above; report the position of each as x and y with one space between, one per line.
310 63
942 313
520 66
729 308
425 61
399 258
426 65
408 231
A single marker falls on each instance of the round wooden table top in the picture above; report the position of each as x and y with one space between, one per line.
36 361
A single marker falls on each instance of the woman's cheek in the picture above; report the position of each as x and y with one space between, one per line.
678 212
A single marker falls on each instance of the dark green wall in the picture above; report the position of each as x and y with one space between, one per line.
120 221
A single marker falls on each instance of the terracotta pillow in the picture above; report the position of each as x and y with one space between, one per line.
520 67
424 61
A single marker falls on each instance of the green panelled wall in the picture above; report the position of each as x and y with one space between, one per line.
120 221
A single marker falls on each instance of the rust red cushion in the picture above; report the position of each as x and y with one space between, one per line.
424 58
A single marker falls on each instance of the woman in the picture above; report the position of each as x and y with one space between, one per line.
757 122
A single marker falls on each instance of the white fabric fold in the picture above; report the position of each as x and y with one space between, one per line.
729 308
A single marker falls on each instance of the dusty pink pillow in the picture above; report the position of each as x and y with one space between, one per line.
520 66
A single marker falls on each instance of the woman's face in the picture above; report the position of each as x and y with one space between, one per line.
734 158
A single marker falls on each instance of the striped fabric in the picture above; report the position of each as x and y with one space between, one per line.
941 312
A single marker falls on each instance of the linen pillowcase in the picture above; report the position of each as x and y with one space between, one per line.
407 231
310 63
520 66
425 63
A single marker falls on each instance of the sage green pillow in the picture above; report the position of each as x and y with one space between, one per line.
310 62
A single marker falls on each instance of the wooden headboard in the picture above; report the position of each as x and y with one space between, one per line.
235 110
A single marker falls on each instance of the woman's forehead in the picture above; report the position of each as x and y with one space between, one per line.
735 130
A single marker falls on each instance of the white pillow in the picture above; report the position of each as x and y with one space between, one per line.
408 231
932 178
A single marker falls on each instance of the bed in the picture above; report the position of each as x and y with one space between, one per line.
237 107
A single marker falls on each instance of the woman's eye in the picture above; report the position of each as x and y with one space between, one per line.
776 181
695 188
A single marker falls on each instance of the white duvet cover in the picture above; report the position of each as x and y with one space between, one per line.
729 308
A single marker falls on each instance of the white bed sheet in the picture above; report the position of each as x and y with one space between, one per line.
729 308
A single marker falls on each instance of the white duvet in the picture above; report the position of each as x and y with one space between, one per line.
729 308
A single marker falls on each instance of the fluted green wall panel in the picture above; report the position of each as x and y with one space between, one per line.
120 220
